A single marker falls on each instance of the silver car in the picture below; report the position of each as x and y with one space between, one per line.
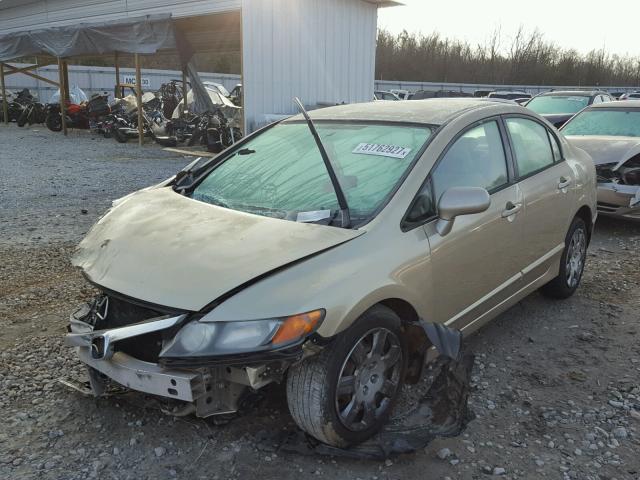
610 133
311 253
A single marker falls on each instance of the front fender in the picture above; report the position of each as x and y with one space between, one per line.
345 281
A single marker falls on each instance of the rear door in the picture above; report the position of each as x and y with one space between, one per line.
547 184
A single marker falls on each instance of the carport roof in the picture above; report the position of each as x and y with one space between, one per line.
144 35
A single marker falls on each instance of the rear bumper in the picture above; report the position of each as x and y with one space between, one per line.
619 200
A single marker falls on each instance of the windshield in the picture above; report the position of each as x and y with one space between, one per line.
556 104
620 123
280 173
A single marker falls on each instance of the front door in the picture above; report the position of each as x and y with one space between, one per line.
477 265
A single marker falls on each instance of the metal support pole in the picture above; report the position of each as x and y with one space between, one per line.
139 100
5 104
117 65
184 90
63 96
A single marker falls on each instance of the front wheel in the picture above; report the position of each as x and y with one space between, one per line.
572 262
345 394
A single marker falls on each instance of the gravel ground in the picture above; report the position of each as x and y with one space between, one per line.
556 385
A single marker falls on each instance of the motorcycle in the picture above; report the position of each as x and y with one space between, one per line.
32 113
171 97
124 124
215 131
84 116
16 107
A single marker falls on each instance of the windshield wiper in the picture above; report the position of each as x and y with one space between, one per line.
345 220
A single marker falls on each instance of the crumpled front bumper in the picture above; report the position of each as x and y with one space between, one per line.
147 377
619 200
211 390
96 349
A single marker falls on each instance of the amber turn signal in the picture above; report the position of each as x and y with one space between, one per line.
297 326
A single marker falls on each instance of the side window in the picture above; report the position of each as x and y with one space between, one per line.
557 154
476 159
597 99
531 146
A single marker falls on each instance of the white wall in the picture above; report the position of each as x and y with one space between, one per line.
322 51
22 15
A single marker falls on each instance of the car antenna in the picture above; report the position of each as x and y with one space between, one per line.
342 200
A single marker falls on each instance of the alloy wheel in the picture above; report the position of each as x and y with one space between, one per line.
369 379
576 254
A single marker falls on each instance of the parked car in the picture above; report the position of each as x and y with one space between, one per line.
401 94
516 96
559 106
610 133
310 252
482 93
424 94
384 95
630 96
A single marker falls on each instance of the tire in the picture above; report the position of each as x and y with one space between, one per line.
313 383
119 136
575 250
24 117
54 122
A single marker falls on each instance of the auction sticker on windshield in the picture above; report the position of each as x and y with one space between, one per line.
392 151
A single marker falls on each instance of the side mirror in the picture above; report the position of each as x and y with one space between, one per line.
458 201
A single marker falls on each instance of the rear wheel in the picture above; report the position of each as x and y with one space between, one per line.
345 394
120 137
571 263
54 122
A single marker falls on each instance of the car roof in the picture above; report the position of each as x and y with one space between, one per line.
431 111
617 104
575 93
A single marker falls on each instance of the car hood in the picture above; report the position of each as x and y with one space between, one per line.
607 149
163 248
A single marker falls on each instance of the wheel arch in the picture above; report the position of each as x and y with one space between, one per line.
586 214
417 341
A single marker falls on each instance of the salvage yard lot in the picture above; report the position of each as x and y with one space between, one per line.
556 385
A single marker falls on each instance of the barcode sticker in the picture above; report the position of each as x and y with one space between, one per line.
392 151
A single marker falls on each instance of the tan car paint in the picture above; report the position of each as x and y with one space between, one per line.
163 248
386 263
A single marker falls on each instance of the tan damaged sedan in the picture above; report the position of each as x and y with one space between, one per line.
311 252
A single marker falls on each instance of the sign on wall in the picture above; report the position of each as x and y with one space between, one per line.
146 83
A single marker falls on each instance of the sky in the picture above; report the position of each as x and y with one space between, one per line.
582 25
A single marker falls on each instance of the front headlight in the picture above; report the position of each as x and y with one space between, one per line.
206 339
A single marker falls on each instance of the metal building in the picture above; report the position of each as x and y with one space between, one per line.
322 51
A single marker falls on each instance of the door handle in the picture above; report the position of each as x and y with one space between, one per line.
511 209
564 183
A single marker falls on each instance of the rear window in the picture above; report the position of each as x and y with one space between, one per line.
597 121
558 104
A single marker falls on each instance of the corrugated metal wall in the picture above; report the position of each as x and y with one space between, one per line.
322 51
45 13
101 79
